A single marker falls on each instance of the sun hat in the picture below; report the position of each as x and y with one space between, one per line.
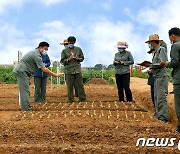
153 37
122 44
64 42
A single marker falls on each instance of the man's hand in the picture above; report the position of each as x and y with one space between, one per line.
121 63
150 72
71 58
76 58
116 62
164 64
59 74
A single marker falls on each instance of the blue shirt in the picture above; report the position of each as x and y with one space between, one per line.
47 63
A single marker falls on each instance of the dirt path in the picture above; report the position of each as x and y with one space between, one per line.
101 125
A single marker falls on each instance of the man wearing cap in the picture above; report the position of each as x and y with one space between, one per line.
65 43
28 65
151 78
71 58
123 59
160 78
174 36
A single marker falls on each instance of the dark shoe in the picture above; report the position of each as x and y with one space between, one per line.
172 92
82 100
164 121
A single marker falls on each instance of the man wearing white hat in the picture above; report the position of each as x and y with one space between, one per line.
160 75
123 59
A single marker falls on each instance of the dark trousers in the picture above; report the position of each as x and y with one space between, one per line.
151 83
152 94
177 103
123 84
40 89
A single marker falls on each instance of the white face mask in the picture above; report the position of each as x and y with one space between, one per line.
66 46
44 52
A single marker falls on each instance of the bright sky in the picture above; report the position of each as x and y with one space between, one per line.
97 25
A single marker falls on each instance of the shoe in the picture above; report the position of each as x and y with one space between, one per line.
164 121
38 102
172 92
83 100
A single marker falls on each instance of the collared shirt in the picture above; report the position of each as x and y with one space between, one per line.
125 57
72 66
175 62
160 55
29 64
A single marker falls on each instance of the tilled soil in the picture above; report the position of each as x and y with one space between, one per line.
100 125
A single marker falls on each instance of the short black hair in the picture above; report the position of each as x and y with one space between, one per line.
43 44
175 31
71 39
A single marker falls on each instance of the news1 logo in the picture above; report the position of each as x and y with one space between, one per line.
157 142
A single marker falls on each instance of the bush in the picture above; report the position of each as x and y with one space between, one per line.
7 76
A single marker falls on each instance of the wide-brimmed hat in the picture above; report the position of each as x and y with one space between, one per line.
64 42
153 37
122 44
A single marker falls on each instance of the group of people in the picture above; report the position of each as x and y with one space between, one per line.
158 73
36 62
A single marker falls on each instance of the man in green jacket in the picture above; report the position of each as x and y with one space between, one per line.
160 78
174 36
65 43
71 58
28 65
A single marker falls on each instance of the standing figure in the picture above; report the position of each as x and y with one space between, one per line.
71 58
65 43
160 78
123 59
28 65
40 81
151 78
174 36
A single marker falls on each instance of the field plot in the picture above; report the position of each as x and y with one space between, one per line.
100 125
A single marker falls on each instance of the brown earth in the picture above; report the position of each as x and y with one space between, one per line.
100 125
98 81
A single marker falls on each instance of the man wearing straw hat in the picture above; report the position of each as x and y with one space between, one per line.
160 78
65 43
151 78
71 58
